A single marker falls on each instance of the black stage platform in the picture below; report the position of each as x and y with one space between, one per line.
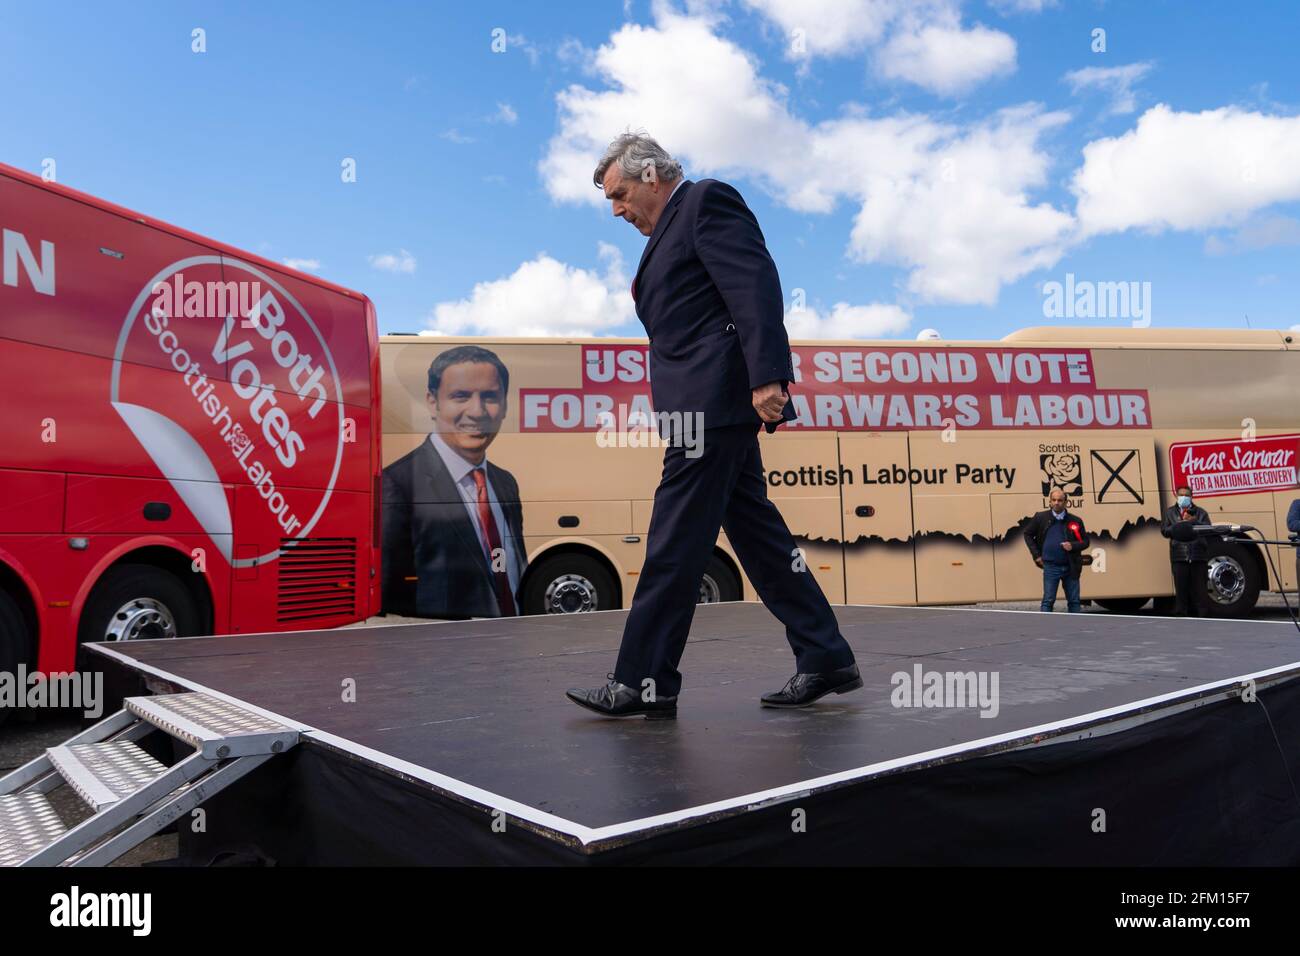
1117 740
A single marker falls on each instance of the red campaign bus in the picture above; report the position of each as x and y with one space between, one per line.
189 435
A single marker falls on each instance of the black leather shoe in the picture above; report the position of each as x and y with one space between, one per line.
620 700
802 689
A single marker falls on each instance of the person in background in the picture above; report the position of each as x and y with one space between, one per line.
1057 540
1293 526
1187 559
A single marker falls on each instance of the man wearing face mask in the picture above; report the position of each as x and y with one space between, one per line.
1187 558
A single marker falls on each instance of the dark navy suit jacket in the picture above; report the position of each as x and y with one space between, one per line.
428 536
709 296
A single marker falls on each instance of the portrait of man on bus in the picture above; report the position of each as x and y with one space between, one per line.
453 524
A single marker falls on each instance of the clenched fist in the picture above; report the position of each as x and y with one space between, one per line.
769 399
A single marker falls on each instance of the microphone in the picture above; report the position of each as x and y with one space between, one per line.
1185 531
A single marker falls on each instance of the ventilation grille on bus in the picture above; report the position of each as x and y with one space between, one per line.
318 578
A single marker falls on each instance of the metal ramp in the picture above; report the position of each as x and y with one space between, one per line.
131 795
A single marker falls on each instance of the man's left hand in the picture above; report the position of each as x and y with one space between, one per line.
1066 546
769 399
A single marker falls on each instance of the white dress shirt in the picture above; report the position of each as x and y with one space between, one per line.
460 471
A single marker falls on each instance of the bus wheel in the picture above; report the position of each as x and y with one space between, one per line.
1122 605
15 642
569 584
136 602
718 583
1232 581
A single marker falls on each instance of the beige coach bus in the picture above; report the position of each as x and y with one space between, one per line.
913 466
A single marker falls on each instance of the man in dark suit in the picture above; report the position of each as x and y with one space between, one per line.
1188 560
1057 540
708 294
453 525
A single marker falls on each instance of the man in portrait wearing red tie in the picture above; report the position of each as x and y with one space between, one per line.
453 523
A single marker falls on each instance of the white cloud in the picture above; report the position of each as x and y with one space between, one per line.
945 58
1022 6
845 321
829 27
1115 81
401 262
1259 233
917 41
1188 171
505 114
543 297
950 204
953 204
302 265
962 220
457 137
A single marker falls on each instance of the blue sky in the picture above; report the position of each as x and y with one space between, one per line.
913 165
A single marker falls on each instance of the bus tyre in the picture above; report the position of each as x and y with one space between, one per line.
15 642
1232 580
136 602
719 583
1122 605
569 584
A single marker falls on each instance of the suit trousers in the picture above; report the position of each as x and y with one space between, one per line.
723 487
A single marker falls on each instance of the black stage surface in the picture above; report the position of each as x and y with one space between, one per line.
1117 740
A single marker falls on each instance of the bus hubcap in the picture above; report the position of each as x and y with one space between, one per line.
141 619
570 594
1227 580
709 591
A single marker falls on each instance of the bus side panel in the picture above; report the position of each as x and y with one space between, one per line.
375 596
317 512
139 432
91 268
802 474
876 511
64 577
318 581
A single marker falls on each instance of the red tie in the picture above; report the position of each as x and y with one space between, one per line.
489 526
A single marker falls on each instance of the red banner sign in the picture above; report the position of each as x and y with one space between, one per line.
842 388
1235 466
